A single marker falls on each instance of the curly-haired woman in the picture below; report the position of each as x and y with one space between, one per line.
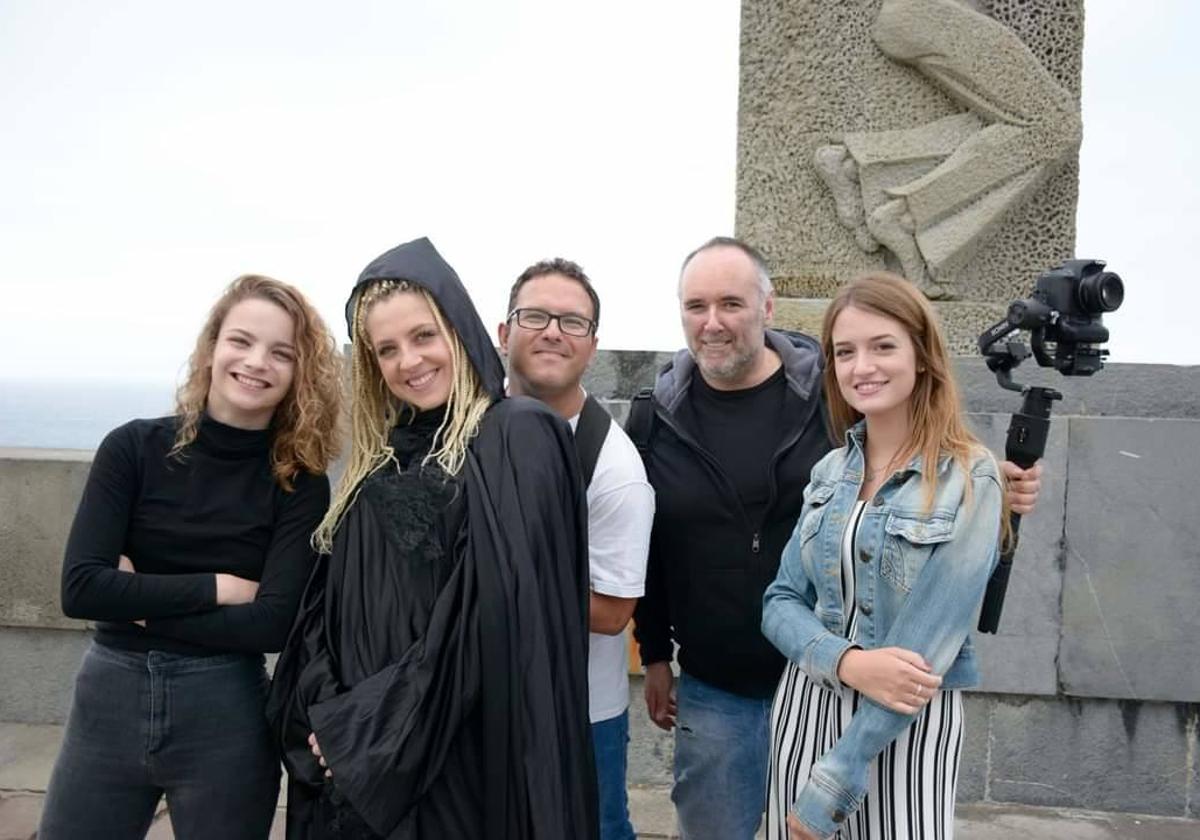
190 550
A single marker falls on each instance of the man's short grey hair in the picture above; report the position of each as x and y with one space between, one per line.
755 255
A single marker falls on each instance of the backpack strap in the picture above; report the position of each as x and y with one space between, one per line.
640 425
590 431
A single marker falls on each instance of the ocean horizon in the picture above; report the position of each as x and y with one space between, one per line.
75 415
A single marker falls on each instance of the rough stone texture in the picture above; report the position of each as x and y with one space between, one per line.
1114 755
1169 391
1122 514
811 74
1132 576
39 491
1120 390
962 321
1022 657
800 314
651 812
39 669
933 192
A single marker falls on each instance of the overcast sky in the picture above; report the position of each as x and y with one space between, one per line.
151 151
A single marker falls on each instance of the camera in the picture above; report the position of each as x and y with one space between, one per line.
1064 319
1064 315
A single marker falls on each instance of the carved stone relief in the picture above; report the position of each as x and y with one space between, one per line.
934 137
931 194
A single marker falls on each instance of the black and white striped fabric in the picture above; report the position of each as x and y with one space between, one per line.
912 782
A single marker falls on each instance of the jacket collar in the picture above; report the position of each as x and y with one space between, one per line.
800 355
856 441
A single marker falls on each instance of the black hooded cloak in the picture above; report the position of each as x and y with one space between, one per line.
440 651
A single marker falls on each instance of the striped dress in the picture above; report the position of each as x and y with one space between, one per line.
912 783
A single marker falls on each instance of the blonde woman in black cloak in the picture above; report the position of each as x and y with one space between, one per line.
434 685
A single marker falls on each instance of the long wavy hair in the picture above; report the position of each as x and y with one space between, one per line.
304 426
374 410
937 421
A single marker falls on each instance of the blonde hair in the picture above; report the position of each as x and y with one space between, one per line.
374 410
304 425
937 421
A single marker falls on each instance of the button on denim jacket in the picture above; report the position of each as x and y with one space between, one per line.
920 575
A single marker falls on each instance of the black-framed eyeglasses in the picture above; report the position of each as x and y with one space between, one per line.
539 319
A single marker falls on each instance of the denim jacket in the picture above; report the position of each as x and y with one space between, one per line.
920 577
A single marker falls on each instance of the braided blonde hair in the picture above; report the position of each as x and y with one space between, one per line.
374 410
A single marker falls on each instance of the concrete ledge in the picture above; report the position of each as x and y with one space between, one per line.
27 756
1087 698
39 667
1107 754
1120 390
1047 751
38 496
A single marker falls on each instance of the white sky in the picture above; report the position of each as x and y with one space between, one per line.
151 151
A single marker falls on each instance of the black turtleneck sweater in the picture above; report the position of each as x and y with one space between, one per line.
219 509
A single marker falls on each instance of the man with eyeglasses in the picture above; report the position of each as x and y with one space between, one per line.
549 337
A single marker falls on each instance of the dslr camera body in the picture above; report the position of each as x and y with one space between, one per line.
1064 317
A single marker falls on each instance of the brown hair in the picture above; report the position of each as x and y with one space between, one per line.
566 268
304 425
935 409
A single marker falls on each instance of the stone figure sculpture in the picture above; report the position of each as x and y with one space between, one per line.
932 194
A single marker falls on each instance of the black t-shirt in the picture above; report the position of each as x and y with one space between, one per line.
742 429
218 509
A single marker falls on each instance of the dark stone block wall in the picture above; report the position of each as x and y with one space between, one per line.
1090 698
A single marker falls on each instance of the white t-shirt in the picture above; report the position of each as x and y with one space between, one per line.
620 512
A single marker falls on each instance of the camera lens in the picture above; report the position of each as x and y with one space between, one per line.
1101 292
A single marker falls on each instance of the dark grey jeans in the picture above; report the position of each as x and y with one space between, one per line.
145 725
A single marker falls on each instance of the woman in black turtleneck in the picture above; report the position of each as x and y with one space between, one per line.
435 684
190 551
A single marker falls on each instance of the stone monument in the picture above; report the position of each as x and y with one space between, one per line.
935 138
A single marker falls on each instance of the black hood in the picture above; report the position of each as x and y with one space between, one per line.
419 262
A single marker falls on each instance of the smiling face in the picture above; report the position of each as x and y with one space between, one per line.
546 363
253 364
412 353
725 315
875 362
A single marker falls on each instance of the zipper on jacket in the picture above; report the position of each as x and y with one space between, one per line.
711 460
755 544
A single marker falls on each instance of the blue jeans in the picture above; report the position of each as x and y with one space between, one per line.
722 742
145 725
610 740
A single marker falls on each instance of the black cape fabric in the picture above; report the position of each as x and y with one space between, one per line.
461 711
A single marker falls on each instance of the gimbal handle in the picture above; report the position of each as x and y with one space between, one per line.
1025 444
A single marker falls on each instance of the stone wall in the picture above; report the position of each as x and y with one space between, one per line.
937 138
1090 698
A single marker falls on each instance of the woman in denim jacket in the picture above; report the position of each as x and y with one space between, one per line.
879 585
